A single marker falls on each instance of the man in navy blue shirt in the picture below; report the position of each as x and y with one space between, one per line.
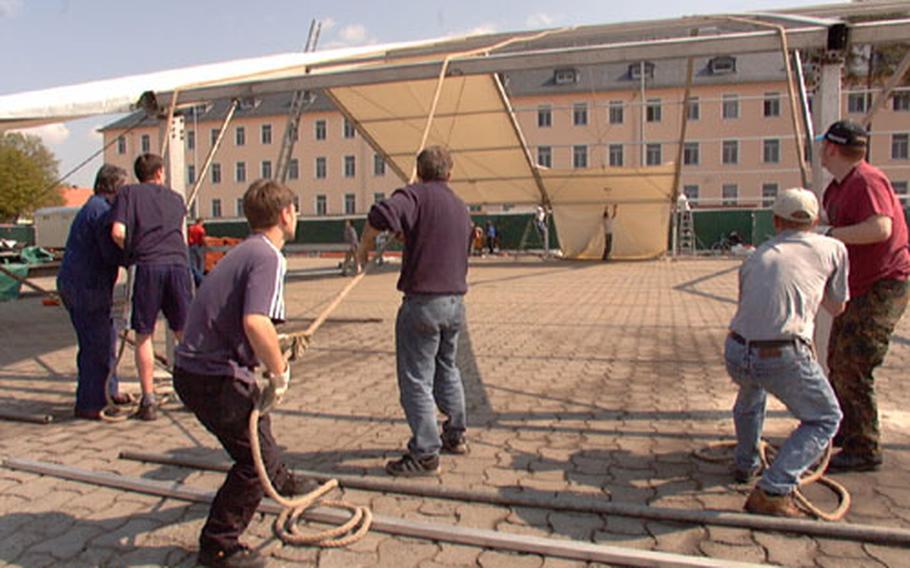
86 284
230 331
436 229
148 225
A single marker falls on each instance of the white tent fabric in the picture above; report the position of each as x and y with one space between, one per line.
643 197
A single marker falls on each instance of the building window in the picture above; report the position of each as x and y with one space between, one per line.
121 144
213 136
348 128
690 153
240 207
216 173
544 117
265 133
240 171
900 101
771 151
616 112
635 70
565 76
321 208
320 130
730 154
378 165
349 166
378 196
772 104
294 169
857 102
694 108
240 136
191 175
768 194
580 156
900 188
691 193
899 146
653 155
266 169
320 168
653 110
580 114
145 143
615 157
723 65
731 106
216 208
190 139
350 203
730 193
545 156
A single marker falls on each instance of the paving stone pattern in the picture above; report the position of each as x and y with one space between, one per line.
591 381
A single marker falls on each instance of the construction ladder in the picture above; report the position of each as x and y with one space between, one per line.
299 101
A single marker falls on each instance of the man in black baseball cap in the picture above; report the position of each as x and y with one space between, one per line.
845 133
866 215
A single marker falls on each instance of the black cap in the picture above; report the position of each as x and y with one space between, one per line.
846 133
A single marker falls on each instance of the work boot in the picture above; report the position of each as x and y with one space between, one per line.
844 461
240 557
409 466
297 485
457 446
761 503
745 475
147 412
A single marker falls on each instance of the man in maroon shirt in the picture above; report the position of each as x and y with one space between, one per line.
866 215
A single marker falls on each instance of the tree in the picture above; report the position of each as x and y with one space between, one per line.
28 171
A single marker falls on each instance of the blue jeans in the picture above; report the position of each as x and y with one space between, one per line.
797 380
426 340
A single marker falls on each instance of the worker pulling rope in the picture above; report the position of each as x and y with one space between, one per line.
767 453
286 526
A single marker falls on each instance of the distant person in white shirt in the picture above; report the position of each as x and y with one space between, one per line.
608 221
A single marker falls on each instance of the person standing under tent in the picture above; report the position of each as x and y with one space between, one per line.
770 348
491 234
350 254
608 222
230 332
866 215
436 229
543 227
85 283
148 226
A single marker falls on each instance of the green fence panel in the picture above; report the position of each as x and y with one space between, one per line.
22 233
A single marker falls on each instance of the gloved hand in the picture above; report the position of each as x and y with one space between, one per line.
274 391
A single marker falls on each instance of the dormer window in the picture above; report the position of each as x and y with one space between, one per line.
723 65
635 70
565 76
248 103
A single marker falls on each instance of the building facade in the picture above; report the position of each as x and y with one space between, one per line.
739 149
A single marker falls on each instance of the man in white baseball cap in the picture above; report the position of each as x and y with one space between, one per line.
769 349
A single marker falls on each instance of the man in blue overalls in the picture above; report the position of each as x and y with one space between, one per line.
86 284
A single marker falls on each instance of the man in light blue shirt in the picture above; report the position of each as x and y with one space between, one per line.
769 348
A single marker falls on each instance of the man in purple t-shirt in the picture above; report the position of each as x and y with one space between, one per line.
866 215
230 331
436 229
148 226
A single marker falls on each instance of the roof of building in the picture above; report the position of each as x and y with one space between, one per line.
75 196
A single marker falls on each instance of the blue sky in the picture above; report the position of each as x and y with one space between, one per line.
49 43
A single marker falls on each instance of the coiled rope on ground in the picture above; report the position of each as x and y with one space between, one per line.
766 453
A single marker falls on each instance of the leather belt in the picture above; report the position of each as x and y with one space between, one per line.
763 343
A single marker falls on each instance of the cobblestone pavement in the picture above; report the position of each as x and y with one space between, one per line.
586 379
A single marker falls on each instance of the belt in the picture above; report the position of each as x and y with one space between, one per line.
764 343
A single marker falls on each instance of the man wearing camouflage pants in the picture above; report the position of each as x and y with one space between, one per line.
867 216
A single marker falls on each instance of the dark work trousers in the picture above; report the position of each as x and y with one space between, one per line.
223 405
90 312
608 246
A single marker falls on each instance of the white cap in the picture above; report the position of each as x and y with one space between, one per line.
796 204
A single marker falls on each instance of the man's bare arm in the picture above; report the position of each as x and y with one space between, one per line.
875 229
367 242
261 332
118 234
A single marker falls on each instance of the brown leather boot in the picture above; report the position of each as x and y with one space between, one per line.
761 503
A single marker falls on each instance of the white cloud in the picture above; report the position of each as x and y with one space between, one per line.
94 134
50 134
327 24
486 28
9 8
353 34
539 20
